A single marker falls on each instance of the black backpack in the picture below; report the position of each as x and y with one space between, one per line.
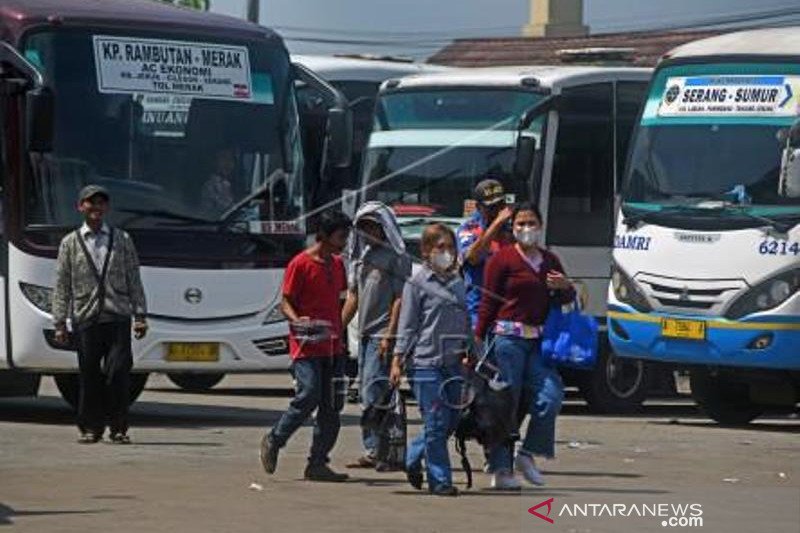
490 418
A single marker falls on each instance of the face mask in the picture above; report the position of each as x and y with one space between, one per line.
441 260
527 236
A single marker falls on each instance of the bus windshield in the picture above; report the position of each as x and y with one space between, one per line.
704 162
182 134
712 136
428 149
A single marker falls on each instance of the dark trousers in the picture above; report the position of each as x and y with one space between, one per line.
105 361
320 386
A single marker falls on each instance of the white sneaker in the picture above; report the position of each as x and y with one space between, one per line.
505 481
525 464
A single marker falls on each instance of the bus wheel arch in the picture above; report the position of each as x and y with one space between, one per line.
615 385
195 382
725 401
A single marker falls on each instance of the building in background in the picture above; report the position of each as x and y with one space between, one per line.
633 48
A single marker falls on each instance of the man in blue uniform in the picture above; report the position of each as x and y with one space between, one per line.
482 234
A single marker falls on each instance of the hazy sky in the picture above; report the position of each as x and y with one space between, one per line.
420 27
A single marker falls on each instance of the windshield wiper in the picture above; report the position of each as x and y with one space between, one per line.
161 213
226 216
778 225
277 174
633 216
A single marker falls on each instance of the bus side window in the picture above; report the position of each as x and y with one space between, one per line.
630 96
581 204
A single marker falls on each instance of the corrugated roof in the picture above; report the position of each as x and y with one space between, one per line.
648 48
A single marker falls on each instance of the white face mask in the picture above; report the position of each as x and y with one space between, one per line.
441 260
527 236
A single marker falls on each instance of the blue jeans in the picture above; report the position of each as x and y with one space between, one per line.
438 392
538 391
320 386
373 375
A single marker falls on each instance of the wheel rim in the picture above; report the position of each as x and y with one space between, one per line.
623 377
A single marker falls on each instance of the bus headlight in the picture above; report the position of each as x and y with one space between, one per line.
274 315
766 295
40 297
627 292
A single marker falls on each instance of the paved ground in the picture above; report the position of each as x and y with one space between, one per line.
194 467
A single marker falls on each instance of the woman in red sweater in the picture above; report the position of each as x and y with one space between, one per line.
521 282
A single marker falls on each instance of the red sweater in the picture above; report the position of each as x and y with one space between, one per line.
513 291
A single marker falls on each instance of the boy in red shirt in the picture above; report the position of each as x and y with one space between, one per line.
312 290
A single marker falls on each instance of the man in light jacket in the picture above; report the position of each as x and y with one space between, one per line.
98 287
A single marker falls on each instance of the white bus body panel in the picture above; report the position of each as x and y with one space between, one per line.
231 312
704 256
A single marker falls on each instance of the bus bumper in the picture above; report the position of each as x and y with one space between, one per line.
763 343
241 345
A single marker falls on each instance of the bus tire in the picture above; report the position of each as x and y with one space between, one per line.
723 400
195 382
615 385
70 388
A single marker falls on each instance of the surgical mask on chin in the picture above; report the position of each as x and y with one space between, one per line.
441 261
527 236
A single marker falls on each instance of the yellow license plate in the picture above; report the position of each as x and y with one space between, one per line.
203 352
674 328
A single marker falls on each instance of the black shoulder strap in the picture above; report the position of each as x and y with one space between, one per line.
461 448
86 253
100 276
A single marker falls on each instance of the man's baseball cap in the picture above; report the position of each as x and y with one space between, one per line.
92 190
370 217
489 192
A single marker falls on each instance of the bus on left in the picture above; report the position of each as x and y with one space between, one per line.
190 120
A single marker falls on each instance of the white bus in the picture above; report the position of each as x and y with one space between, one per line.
707 247
556 136
358 79
154 103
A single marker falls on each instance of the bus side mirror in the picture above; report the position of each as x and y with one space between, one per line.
525 156
39 119
339 132
340 137
789 183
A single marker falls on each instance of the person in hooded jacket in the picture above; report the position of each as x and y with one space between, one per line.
378 270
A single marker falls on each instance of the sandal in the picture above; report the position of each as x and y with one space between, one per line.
119 438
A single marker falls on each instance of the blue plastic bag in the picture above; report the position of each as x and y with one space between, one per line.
569 337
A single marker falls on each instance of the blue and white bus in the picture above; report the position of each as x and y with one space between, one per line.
707 246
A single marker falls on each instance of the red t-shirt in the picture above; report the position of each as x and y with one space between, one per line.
513 291
315 289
